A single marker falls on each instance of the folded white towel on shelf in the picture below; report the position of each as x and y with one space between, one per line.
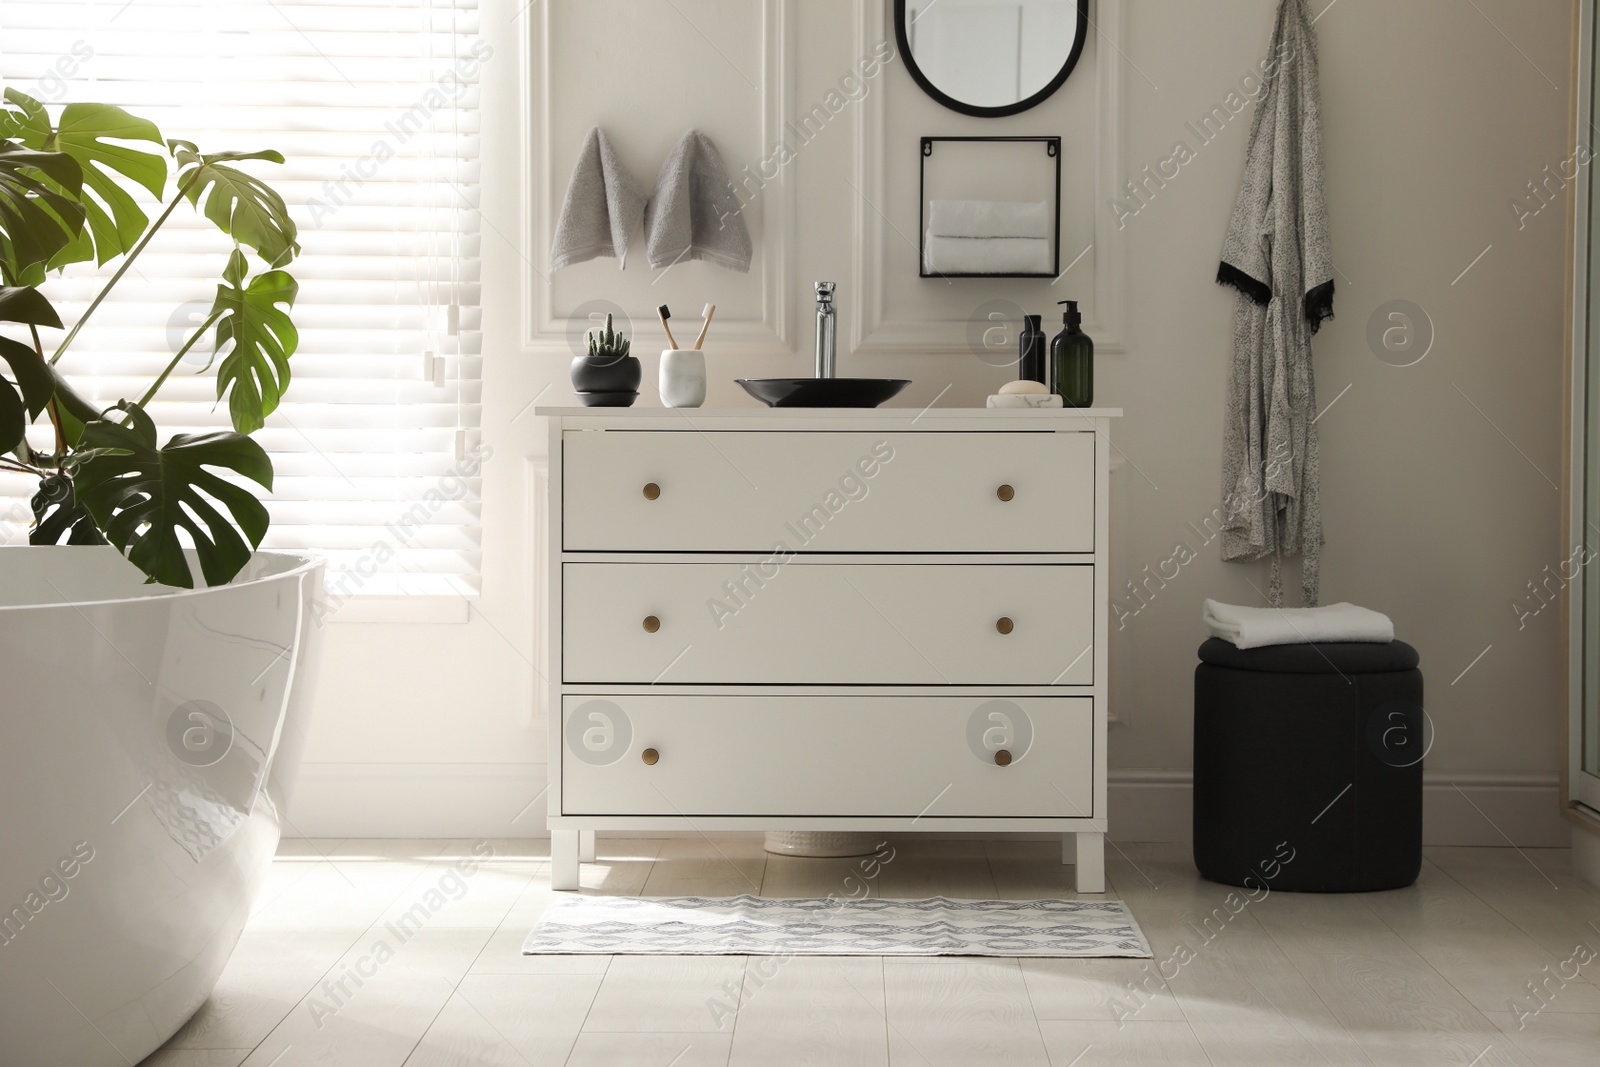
1254 627
989 218
985 255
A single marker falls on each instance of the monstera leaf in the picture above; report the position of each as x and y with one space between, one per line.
243 207
31 384
57 512
13 412
140 496
25 304
254 375
39 210
25 394
116 221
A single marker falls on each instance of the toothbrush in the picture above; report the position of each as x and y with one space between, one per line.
665 315
710 310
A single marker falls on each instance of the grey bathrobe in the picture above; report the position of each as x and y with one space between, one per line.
1277 256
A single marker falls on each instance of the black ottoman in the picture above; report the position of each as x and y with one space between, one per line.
1308 766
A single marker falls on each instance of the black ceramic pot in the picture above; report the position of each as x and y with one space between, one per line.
607 400
606 374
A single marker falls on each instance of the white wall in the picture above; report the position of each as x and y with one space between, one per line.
1437 478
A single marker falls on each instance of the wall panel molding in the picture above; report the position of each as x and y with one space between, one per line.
536 700
871 330
775 243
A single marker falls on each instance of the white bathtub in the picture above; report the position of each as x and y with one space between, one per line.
136 824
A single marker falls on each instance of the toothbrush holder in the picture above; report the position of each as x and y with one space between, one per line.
683 377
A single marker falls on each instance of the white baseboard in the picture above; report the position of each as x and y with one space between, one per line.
1149 805
1458 808
507 800
1586 855
419 800
1494 810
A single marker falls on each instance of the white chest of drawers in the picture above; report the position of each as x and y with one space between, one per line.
889 621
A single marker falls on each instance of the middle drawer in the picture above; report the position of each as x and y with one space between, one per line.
809 623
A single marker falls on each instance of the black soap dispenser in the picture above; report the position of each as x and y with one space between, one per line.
1030 359
1072 359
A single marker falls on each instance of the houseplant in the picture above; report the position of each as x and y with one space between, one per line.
194 700
65 198
607 376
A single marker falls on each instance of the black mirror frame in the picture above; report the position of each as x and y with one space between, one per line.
988 112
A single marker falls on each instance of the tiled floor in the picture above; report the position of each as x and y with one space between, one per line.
1441 973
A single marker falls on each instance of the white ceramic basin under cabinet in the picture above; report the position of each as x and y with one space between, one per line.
828 620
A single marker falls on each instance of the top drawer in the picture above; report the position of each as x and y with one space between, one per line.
752 491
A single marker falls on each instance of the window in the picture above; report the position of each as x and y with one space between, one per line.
374 105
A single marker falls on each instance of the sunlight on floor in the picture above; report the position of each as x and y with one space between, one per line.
409 951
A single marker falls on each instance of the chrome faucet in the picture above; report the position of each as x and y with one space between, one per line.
826 345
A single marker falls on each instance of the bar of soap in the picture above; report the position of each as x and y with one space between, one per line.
1023 388
1025 400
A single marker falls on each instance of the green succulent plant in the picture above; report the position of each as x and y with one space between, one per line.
67 195
607 343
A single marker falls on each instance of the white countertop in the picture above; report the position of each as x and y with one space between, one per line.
756 413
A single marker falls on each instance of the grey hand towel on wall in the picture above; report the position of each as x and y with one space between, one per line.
694 212
1278 257
602 208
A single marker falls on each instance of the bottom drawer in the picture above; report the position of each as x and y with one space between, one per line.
942 757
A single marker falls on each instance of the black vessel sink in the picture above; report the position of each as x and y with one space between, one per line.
823 392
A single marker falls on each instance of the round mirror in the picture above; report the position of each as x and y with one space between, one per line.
990 57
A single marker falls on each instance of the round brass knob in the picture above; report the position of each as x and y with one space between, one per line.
1005 492
1003 757
651 490
651 624
1004 625
650 756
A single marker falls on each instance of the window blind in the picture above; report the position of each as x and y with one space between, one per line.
374 104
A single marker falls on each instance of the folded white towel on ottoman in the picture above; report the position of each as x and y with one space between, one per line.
1254 627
